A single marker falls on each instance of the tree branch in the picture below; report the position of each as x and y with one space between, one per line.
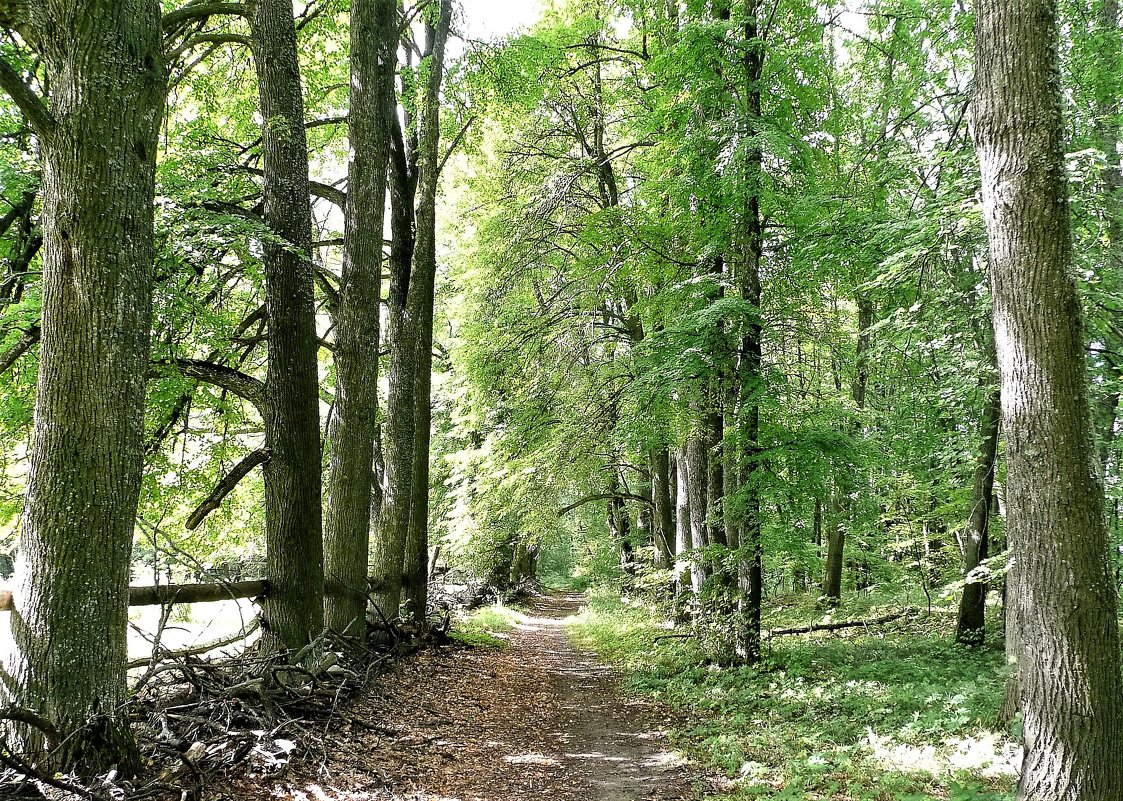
199 9
244 386
225 487
197 650
604 496
22 346
26 100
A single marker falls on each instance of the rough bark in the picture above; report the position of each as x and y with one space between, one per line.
354 421
1070 672
294 559
104 65
971 624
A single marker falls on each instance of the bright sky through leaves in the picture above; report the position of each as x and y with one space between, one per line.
489 19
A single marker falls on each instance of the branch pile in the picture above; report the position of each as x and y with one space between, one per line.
200 719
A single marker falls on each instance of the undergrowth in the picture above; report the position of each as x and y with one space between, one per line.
485 627
900 713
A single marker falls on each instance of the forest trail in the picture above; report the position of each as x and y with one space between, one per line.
540 719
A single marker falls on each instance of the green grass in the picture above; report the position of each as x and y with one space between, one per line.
899 713
485 627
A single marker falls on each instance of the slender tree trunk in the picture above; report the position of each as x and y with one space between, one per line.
388 547
374 28
663 518
294 557
698 502
970 628
415 570
104 64
844 483
684 541
750 578
1070 671
1108 130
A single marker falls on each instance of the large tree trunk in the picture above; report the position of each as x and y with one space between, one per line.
294 557
374 28
1072 702
104 65
971 625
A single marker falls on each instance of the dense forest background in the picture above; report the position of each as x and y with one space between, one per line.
685 298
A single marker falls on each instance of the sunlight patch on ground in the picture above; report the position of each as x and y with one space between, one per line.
987 754
530 759
316 792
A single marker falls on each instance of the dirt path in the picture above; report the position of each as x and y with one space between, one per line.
539 720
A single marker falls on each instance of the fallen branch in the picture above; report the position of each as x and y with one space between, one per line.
197 650
689 636
844 624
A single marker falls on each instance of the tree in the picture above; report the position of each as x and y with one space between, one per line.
1069 666
399 560
294 609
103 62
354 420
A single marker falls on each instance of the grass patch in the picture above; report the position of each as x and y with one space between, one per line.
900 713
486 627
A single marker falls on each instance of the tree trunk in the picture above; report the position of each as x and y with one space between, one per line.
684 540
388 547
294 557
374 27
842 505
104 64
402 552
415 568
1070 672
696 484
663 518
971 625
750 576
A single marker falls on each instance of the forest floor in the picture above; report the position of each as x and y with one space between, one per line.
534 718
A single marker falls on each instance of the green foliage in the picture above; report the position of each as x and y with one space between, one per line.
891 713
485 627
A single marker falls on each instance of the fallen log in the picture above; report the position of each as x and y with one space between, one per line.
177 594
844 624
196 593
